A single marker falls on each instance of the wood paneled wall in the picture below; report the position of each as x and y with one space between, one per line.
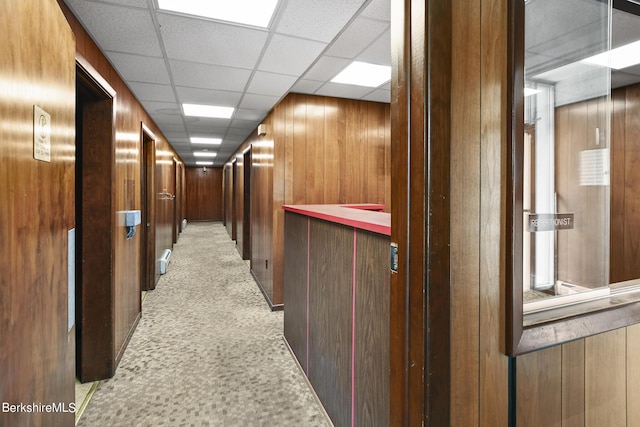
37 209
203 194
625 185
126 172
316 150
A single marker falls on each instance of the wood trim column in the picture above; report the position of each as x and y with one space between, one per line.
420 290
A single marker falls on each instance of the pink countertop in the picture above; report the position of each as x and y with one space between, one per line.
363 216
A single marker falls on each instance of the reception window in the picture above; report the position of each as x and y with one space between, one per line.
569 181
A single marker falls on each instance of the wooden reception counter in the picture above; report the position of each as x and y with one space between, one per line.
336 307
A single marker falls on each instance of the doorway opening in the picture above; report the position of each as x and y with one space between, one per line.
150 274
95 356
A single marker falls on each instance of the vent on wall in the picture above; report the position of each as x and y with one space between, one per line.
164 260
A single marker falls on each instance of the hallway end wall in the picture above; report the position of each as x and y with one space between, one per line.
203 194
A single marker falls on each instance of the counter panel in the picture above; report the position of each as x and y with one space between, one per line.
296 253
336 316
330 317
371 405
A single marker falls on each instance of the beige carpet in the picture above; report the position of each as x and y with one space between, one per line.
207 352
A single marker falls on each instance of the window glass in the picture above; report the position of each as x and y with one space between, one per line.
566 179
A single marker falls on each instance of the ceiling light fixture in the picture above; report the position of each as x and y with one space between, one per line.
249 12
204 154
618 58
210 141
204 163
364 74
207 111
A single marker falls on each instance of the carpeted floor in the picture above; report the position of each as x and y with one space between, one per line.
207 352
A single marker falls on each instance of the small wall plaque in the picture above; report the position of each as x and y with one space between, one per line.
41 134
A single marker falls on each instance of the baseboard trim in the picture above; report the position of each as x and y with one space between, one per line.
126 342
272 306
306 379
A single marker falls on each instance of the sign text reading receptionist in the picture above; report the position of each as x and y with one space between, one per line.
550 222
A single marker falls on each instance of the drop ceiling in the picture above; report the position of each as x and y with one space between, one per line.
168 59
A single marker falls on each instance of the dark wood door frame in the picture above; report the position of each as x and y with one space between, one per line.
420 213
95 219
150 274
234 192
246 222
174 222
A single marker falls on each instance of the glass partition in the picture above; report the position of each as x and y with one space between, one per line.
566 152
566 56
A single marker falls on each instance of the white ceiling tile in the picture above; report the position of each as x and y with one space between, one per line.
357 38
258 102
306 86
624 28
164 108
240 133
379 52
190 74
243 124
247 114
207 96
126 30
135 3
163 119
175 136
137 68
181 145
378 9
208 125
270 84
153 92
209 42
343 91
317 19
326 68
379 96
202 130
172 129
288 55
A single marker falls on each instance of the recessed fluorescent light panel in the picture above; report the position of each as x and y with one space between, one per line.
209 141
207 111
618 58
204 154
249 12
364 74
204 163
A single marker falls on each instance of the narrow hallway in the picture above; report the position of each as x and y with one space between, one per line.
207 351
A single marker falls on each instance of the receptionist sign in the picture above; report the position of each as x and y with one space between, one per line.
550 222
